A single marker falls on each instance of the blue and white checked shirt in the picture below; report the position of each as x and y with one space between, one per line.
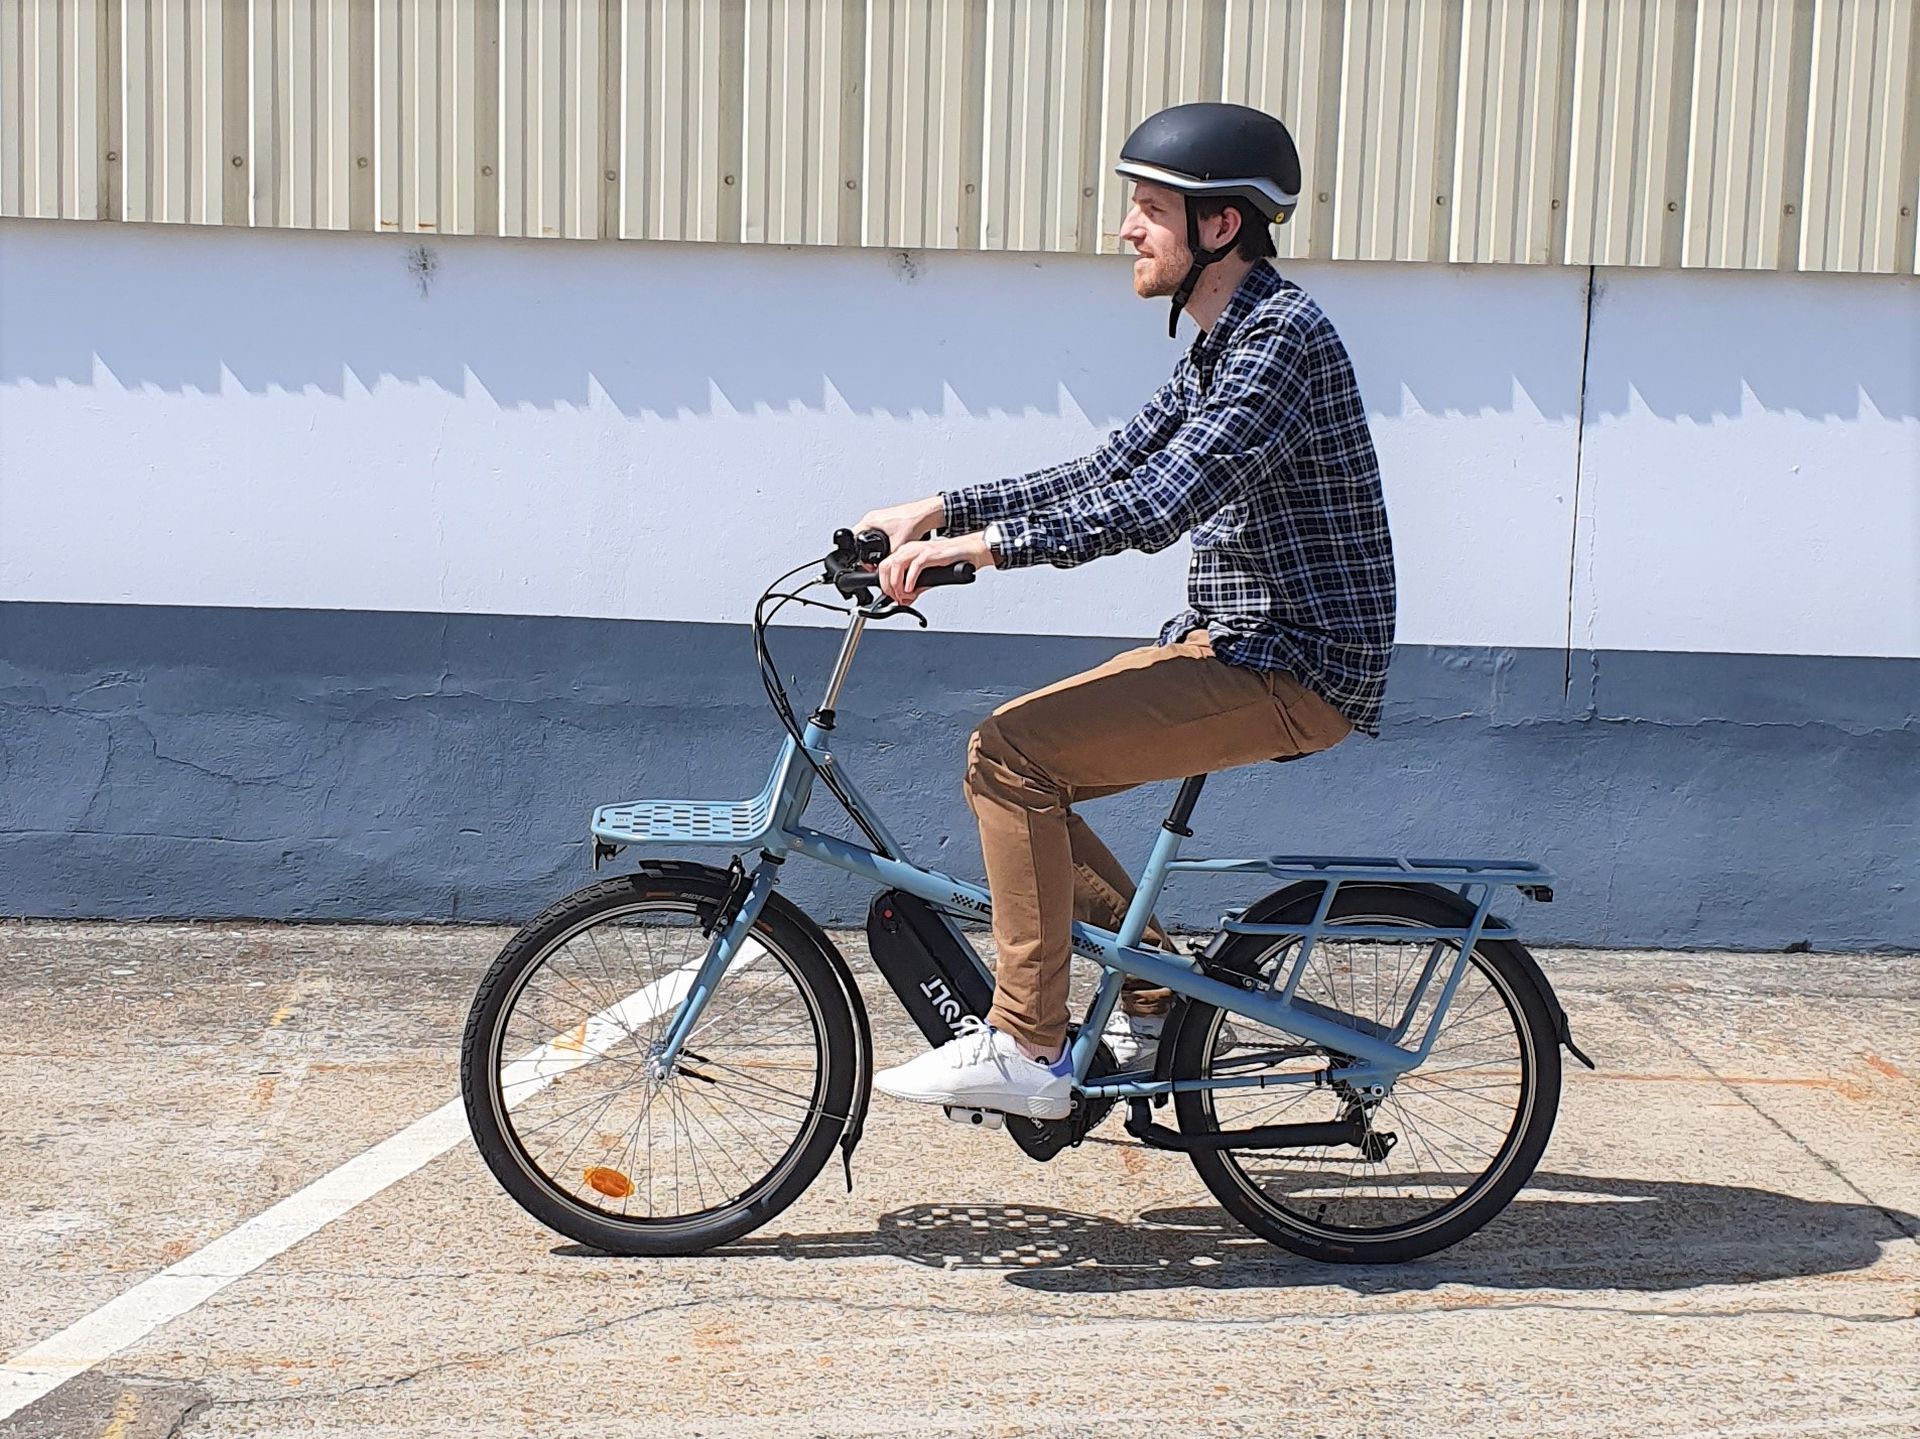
1259 445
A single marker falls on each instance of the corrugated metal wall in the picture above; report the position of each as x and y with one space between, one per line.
1727 133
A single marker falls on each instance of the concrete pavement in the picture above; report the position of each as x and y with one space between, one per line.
1722 1238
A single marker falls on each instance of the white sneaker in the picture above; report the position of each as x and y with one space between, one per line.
982 1069
1135 1038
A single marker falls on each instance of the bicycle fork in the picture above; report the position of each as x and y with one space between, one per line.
732 923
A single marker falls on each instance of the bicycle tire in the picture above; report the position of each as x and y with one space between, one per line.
691 894
1509 975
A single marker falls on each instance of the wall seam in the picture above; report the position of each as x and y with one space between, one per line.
1579 455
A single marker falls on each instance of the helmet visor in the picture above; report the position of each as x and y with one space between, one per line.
1267 197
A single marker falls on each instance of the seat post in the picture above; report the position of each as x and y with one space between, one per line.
1183 803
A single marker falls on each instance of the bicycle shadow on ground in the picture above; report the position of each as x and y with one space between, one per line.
1584 1232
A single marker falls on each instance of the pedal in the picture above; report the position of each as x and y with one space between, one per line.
978 1118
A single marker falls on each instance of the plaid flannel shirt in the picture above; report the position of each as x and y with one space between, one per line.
1259 446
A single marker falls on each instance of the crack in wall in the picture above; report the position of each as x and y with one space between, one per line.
1579 452
1588 717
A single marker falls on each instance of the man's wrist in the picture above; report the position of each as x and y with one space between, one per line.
1012 542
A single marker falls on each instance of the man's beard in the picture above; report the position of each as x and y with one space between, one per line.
1161 275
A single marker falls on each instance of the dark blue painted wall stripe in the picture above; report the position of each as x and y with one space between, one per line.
163 761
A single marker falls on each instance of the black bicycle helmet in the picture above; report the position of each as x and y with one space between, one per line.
1213 151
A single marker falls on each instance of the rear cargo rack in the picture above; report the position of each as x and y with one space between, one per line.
1475 880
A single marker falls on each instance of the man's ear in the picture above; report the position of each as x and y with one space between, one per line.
1238 218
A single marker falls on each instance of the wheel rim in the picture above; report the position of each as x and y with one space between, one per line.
582 1118
1458 1119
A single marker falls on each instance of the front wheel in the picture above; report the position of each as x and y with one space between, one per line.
554 1068
1447 1148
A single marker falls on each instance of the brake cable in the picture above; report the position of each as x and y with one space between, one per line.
783 706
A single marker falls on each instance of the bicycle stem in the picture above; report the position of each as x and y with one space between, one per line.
840 667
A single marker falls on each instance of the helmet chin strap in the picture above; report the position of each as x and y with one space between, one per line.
1201 259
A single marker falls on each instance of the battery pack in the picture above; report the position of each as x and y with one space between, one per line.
929 967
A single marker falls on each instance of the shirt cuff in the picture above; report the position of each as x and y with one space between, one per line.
1013 543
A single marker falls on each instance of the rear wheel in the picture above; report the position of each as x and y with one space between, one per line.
563 1105
1451 1143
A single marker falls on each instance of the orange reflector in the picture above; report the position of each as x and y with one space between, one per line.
610 1182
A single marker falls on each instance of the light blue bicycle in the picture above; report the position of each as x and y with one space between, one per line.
1364 1063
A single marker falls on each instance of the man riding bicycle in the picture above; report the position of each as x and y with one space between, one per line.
1258 446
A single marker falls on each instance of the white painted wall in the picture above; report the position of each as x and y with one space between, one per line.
1750 480
224 417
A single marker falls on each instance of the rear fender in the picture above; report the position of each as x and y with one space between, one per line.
1299 901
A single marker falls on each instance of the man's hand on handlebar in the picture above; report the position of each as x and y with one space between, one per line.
901 523
900 570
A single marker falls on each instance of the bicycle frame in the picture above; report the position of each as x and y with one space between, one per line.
771 822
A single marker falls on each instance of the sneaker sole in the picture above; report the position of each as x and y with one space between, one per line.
1033 1107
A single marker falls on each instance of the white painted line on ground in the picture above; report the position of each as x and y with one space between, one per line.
120 1322
132 1316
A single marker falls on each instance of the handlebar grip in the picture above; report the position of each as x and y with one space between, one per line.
850 566
960 572
869 547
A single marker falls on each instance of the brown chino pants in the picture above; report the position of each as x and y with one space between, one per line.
1154 713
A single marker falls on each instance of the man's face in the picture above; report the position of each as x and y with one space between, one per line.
1156 227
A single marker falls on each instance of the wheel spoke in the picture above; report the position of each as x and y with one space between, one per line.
1454 1120
598 1133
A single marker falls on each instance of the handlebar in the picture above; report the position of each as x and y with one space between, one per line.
851 565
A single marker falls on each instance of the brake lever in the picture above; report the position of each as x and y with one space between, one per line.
886 609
